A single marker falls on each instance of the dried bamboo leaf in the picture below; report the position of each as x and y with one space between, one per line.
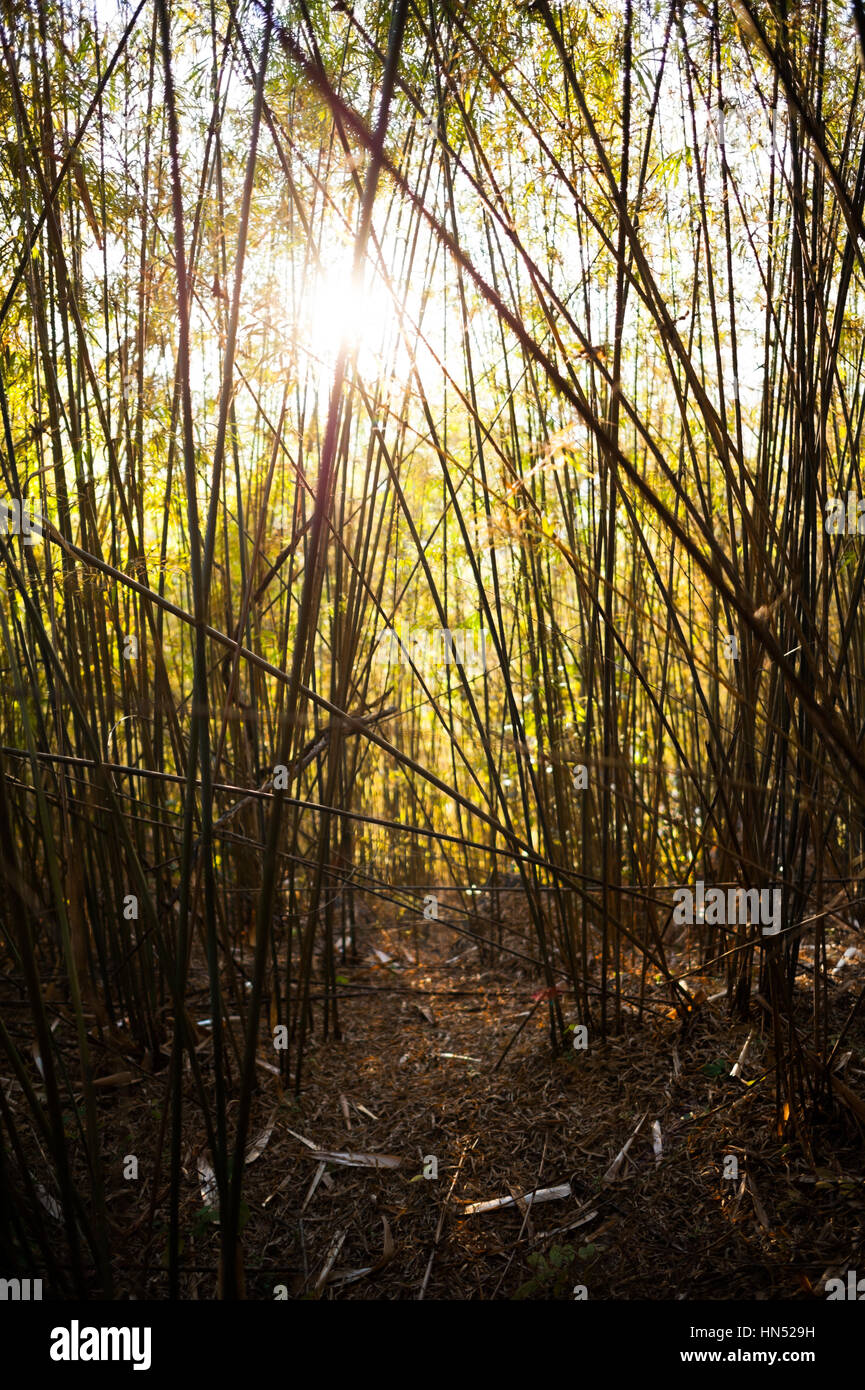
614 1169
256 1147
51 1205
543 1194
657 1141
349 1160
308 1142
208 1179
330 1259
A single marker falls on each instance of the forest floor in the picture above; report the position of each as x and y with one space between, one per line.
418 1075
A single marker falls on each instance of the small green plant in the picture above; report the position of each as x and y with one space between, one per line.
205 1219
716 1068
552 1276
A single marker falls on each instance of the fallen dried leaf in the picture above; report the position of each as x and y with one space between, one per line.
256 1147
543 1194
330 1259
117 1078
319 1174
52 1206
208 1179
737 1068
358 1160
657 1141
612 1172
308 1142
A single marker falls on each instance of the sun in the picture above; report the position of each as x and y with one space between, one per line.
348 312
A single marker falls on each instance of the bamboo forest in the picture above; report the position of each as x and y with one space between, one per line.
432 654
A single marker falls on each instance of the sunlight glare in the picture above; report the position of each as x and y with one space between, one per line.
346 313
